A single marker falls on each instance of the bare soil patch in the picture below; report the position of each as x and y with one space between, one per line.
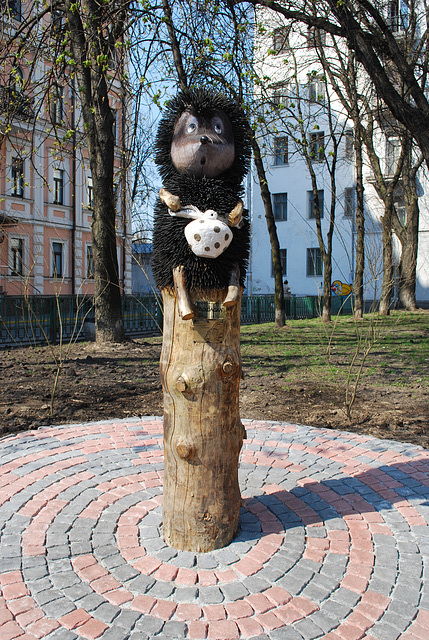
118 381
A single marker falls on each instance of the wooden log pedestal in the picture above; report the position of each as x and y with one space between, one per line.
200 373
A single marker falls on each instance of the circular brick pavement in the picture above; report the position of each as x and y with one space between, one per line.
333 540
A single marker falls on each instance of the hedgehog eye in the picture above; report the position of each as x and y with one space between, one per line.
191 128
217 128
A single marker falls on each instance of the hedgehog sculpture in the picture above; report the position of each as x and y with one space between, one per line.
201 232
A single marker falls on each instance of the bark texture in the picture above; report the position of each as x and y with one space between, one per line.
272 232
407 230
408 263
200 373
359 229
387 285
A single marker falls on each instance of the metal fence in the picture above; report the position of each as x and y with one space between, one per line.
41 320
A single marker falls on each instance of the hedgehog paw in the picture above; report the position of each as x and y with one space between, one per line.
186 313
184 305
232 296
233 293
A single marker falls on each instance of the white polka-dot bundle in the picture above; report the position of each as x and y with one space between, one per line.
208 236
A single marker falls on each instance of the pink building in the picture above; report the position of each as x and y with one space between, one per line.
46 187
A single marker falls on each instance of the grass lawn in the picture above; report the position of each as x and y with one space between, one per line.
346 367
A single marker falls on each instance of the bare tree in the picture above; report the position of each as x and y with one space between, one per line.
84 44
407 227
369 115
374 32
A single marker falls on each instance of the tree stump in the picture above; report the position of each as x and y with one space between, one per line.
200 373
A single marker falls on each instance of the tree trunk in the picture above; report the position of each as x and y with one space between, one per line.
200 373
359 227
93 93
279 303
109 325
408 263
407 279
408 233
327 294
387 284
327 261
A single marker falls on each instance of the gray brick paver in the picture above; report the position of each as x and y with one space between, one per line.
115 633
172 629
211 595
127 618
149 625
286 633
63 634
58 608
308 629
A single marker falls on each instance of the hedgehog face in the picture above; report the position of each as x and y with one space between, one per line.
203 145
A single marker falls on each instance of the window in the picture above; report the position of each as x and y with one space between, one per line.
17 177
115 126
16 81
90 188
116 198
316 90
314 262
280 95
56 19
317 146
14 8
398 199
311 204
16 256
89 262
349 202
280 206
283 261
113 59
57 259
20 104
393 18
58 186
315 36
281 150
393 152
57 105
281 40
348 144
400 210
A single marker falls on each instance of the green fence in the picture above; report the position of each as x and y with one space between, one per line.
39 319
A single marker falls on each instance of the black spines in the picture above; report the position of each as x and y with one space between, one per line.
170 248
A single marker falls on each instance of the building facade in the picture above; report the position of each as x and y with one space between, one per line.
46 185
307 141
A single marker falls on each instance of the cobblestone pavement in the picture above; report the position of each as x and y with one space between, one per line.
333 544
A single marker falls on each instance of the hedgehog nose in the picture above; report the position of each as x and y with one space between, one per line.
204 139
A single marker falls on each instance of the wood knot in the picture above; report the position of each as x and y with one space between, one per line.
185 451
181 384
228 367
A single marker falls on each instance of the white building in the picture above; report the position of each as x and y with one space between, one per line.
304 107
